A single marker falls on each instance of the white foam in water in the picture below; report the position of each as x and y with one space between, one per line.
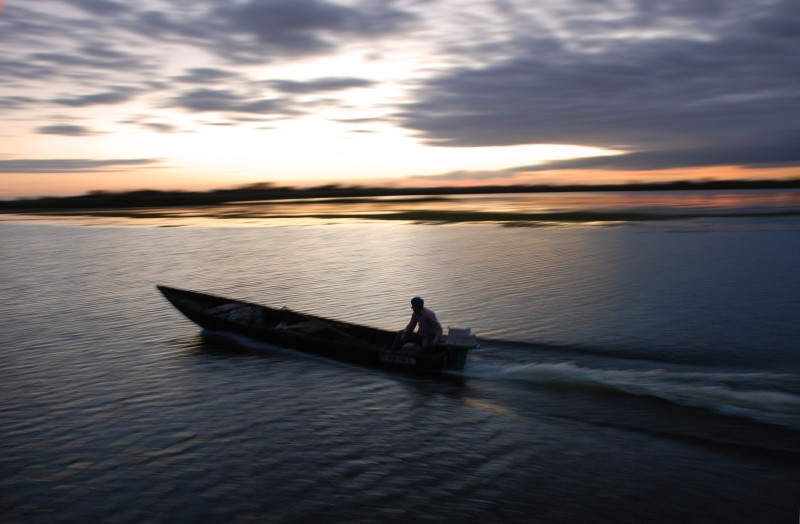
717 391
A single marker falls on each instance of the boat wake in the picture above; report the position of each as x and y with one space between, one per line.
757 396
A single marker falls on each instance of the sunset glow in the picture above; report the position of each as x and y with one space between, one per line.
117 96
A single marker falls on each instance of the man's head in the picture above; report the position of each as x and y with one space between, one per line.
417 304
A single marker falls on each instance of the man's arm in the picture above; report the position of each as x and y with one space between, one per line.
411 325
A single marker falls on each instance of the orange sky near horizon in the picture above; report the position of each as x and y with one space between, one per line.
57 185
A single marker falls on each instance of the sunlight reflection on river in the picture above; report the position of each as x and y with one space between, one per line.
444 208
118 409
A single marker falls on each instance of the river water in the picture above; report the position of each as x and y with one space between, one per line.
628 371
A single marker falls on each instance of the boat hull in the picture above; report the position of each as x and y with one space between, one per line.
311 334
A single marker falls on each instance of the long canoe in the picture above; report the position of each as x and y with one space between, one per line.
321 336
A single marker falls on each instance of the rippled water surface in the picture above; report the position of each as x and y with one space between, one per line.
634 373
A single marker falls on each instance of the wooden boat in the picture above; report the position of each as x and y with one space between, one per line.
317 335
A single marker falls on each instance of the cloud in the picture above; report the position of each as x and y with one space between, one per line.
16 102
699 82
88 57
71 165
779 154
320 85
263 31
252 97
672 84
160 127
100 7
205 75
65 130
151 125
215 76
108 97
299 27
227 101
22 70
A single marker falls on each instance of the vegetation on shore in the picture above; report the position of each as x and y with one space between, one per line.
334 193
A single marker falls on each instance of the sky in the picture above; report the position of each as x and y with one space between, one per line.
111 95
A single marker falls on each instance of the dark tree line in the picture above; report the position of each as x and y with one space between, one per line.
267 191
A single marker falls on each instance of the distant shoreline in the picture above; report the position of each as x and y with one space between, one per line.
335 193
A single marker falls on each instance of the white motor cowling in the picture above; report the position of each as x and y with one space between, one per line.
461 337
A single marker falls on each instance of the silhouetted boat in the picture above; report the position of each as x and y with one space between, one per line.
311 334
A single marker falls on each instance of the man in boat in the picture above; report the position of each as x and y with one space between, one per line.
429 332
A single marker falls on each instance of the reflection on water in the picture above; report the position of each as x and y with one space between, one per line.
547 208
660 201
621 369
